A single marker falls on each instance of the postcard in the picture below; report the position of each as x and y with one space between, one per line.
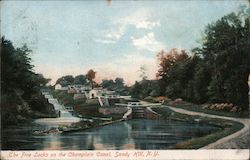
134 79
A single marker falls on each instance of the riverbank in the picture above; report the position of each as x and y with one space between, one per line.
203 109
228 126
95 125
233 138
16 109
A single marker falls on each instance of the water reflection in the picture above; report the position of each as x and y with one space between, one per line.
133 134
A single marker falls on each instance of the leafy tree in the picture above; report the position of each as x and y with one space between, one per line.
168 62
109 84
200 82
91 76
135 90
226 50
119 82
80 79
143 70
66 80
218 71
19 84
116 85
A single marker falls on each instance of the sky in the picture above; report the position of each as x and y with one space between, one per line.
71 37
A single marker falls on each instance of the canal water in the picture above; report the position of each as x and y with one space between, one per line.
132 134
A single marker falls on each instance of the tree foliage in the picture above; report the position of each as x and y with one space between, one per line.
19 83
116 85
145 88
80 79
65 80
91 75
216 72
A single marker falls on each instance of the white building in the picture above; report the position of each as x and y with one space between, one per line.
60 88
96 92
78 88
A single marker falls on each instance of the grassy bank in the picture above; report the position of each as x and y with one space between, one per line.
199 108
228 127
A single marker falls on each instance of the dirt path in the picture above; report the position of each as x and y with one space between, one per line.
236 140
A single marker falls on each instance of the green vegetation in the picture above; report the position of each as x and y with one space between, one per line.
216 72
228 127
20 86
64 98
145 88
70 80
197 143
116 85
199 108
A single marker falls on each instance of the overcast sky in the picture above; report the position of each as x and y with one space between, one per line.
71 37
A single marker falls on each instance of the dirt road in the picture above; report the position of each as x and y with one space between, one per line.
237 140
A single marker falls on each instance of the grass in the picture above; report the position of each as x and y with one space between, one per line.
203 141
228 128
198 108
64 97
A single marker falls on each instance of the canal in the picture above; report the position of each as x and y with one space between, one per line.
132 134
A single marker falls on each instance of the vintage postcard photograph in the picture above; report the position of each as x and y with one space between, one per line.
132 79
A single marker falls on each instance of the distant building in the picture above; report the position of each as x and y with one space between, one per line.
78 88
71 89
96 92
60 88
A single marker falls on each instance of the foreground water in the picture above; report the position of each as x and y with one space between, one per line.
133 134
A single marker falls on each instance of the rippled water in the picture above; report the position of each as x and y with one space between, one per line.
133 134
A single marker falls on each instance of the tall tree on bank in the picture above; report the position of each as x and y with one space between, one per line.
218 71
20 86
91 76
167 72
226 49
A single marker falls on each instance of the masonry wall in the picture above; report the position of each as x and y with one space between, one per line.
113 110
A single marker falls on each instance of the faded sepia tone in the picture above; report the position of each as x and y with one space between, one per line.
125 75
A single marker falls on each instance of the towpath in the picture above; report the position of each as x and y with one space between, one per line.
237 140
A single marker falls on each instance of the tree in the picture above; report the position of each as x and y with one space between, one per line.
91 76
226 50
119 82
170 66
65 80
80 79
19 84
135 90
115 85
109 84
16 70
218 71
143 70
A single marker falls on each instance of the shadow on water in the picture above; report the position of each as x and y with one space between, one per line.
133 134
